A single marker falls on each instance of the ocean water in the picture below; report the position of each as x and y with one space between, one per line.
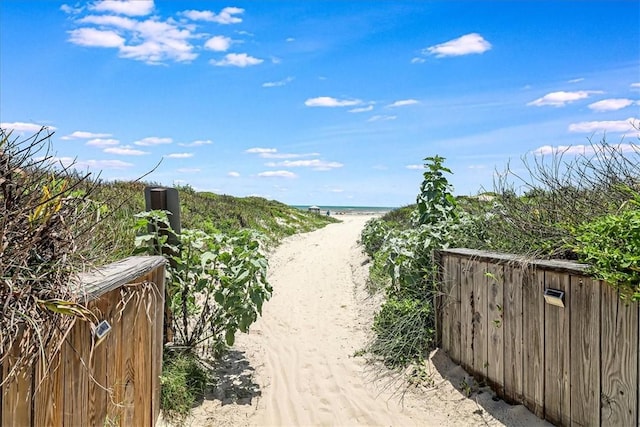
349 209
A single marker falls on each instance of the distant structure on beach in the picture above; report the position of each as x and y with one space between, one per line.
314 209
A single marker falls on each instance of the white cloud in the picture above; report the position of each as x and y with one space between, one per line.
226 15
70 9
124 7
612 104
287 155
95 38
188 170
403 103
233 174
260 150
125 151
477 167
282 82
336 190
415 167
109 21
237 60
561 98
315 164
79 134
198 143
581 149
277 174
327 101
93 164
576 80
635 85
290 39
465 45
617 126
178 155
24 127
361 109
101 142
418 60
218 43
380 118
153 140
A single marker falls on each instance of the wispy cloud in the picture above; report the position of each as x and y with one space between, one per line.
124 7
92 37
125 151
277 174
228 15
581 149
617 126
361 109
218 43
578 80
178 155
79 134
188 170
24 127
612 104
562 98
102 142
381 118
635 85
260 150
236 60
233 174
282 82
198 143
418 60
327 101
468 44
403 103
91 164
315 164
153 140
414 167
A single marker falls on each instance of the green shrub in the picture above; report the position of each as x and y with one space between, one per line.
611 246
184 381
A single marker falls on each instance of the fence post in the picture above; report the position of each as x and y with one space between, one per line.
167 199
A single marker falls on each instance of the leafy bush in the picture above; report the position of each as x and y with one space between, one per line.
611 246
217 283
373 235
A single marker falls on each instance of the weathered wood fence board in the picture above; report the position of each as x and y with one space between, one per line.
572 365
113 382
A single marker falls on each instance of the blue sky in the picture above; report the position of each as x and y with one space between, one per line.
318 102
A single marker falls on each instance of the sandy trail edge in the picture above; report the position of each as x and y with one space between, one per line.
296 367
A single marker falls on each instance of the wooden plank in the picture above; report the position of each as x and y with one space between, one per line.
98 386
585 350
513 338
467 269
560 266
142 357
48 405
112 276
128 354
480 320
557 385
158 342
495 327
444 303
439 298
533 309
16 403
113 347
454 308
619 359
76 360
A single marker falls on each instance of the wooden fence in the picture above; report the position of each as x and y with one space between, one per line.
572 365
116 381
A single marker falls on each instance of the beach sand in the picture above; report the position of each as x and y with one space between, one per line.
298 365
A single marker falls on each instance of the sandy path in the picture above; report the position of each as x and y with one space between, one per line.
297 365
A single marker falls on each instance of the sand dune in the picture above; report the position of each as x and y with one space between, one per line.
297 366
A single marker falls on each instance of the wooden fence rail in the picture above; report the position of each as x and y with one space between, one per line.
115 382
572 365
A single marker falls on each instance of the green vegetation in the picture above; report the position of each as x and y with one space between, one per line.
584 207
184 381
